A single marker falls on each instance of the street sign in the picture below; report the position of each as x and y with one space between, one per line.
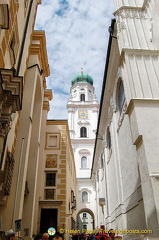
18 225
51 231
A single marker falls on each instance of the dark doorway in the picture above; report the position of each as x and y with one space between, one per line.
48 219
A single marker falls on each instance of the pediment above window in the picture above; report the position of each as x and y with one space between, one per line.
84 151
83 122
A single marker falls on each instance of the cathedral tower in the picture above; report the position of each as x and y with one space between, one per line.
82 118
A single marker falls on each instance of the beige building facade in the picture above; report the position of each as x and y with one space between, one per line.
126 166
37 172
24 105
57 180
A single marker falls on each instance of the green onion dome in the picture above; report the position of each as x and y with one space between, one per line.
82 78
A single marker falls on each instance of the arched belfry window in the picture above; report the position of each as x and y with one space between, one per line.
84 196
120 96
83 132
82 97
84 162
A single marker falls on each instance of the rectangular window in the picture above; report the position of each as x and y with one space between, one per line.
84 215
52 141
50 179
85 226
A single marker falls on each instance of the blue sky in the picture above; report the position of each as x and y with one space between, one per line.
76 35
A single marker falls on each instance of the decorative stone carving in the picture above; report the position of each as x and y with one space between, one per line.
131 56
6 177
51 161
11 88
111 110
140 55
4 129
122 116
132 14
109 155
50 194
12 83
121 25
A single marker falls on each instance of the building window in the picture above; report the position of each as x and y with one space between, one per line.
85 226
50 179
84 215
84 196
83 132
109 143
102 161
52 141
82 97
121 96
83 162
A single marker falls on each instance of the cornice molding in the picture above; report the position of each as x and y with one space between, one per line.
38 47
82 141
139 53
50 203
48 94
46 105
57 122
78 105
132 11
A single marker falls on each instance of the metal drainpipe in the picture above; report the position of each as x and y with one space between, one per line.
24 37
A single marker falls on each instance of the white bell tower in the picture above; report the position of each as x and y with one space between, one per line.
82 119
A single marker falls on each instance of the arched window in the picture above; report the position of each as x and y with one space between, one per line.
83 162
121 96
83 132
84 196
82 97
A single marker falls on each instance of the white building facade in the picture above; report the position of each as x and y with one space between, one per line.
125 164
82 119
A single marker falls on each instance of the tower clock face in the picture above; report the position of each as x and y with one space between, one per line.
83 114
